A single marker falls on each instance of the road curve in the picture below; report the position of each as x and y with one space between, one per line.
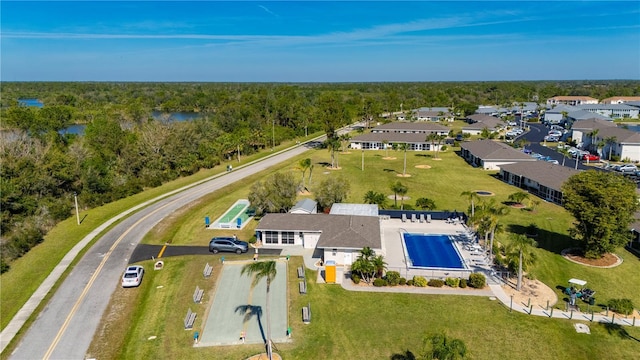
65 327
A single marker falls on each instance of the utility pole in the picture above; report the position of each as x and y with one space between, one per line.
75 198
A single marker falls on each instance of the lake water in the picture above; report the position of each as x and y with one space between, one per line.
158 115
635 128
30 102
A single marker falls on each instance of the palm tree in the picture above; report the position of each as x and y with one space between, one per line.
594 135
439 139
263 270
333 144
612 140
472 196
425 204
398 189
404 147
379 265
304 164
386 148
310 172
439 347
364 264
372 197
565 154
518 197
521 245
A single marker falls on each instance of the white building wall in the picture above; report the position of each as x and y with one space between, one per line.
630 151
310 240
493 165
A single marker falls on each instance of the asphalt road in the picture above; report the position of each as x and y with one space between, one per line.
65 327
145 252
536 135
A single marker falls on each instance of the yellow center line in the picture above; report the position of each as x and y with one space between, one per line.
93 278
162 251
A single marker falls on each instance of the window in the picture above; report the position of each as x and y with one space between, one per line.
288 237
271 237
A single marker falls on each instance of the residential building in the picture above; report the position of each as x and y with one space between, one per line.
305 206
339 237
541 178
490 154
614 111
479 122
571 100
606 138
389 135
619 99
433 114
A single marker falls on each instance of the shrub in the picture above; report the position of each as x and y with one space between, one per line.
392 277
463 283
443 148
379 282
402 281
452 282
477 280
615 158
355 278
436 283
622 306
419 281
410 282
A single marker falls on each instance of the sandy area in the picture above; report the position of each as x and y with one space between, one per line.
607 261
334 168
423 167
388 158
403 175
535 290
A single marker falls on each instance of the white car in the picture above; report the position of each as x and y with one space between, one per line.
132 276
626 168
556 133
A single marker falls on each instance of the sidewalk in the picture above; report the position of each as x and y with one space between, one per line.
495 290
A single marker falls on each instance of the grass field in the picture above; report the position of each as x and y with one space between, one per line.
376 326
370 325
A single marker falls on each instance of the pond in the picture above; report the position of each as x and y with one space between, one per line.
78 129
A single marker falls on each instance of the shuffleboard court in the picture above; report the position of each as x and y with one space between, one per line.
228 220
238 307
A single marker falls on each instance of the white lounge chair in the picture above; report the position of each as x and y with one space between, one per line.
428 218
413 218
404 217
421 218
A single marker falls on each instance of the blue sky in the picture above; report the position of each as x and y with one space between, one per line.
303 41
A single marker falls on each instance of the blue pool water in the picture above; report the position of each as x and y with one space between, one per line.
432 251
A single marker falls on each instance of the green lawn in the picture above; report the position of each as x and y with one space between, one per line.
367 325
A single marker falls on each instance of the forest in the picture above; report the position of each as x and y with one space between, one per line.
124 149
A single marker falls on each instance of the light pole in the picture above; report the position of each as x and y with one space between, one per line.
273 134
362 159
75 198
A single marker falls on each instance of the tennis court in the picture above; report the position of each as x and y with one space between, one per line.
238 307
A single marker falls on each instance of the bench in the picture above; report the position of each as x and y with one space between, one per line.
208 269
300 272
306 314
303 287
189 320
197 295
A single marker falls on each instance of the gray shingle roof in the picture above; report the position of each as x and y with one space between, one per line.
338 231
592 123
392 137
412 126
542 172
306 205
489 150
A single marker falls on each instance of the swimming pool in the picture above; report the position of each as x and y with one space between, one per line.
432 251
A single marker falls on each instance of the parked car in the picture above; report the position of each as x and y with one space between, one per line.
228 244
590 157
132 276
553 161
551 138
626 168
556 133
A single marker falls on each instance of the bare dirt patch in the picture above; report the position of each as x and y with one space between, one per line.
345 152
334 168
304 192
403 175
607 261
389 158
537 291
423 167
398 197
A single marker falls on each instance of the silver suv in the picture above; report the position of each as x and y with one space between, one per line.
228 244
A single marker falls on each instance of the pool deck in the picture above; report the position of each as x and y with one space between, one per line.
393 247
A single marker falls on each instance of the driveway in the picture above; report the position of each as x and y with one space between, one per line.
536 135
